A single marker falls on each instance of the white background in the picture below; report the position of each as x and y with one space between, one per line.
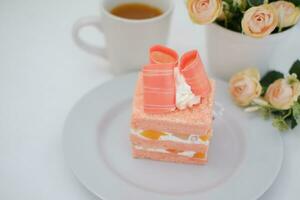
42 74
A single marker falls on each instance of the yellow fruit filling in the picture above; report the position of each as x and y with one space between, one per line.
151 134
174 151
199 155
205 137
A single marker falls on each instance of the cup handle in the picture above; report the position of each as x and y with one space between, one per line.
85 22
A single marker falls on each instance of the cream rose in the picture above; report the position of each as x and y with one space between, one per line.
204 11
259 21
287 12
244 86
282 95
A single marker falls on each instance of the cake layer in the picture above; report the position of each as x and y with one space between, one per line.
165 142
163 155
173 137
197 120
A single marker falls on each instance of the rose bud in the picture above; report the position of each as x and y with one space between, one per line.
287 12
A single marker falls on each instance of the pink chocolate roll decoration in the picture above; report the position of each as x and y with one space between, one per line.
160 54
193 71
158 80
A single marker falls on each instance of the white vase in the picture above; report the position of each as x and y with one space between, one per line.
229 52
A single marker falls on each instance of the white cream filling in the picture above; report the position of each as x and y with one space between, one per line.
187 153
151 149
192 139
184 153
185 98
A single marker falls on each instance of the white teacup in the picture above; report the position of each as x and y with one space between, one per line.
127 40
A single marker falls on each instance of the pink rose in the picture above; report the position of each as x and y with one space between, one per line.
244 86
204 11
287 12
259 21
281 94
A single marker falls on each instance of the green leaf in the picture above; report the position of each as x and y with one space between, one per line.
255 2
296 112
269 78
292 79
295 69
228 1
291 121
279 113
296 2
280 124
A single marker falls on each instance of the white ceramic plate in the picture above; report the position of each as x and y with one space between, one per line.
245 155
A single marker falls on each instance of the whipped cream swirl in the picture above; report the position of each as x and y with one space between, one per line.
185 98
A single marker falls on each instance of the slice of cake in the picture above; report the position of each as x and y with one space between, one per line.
172 109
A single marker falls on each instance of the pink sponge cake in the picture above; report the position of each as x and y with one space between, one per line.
172 114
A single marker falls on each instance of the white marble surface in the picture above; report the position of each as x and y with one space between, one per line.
42 74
